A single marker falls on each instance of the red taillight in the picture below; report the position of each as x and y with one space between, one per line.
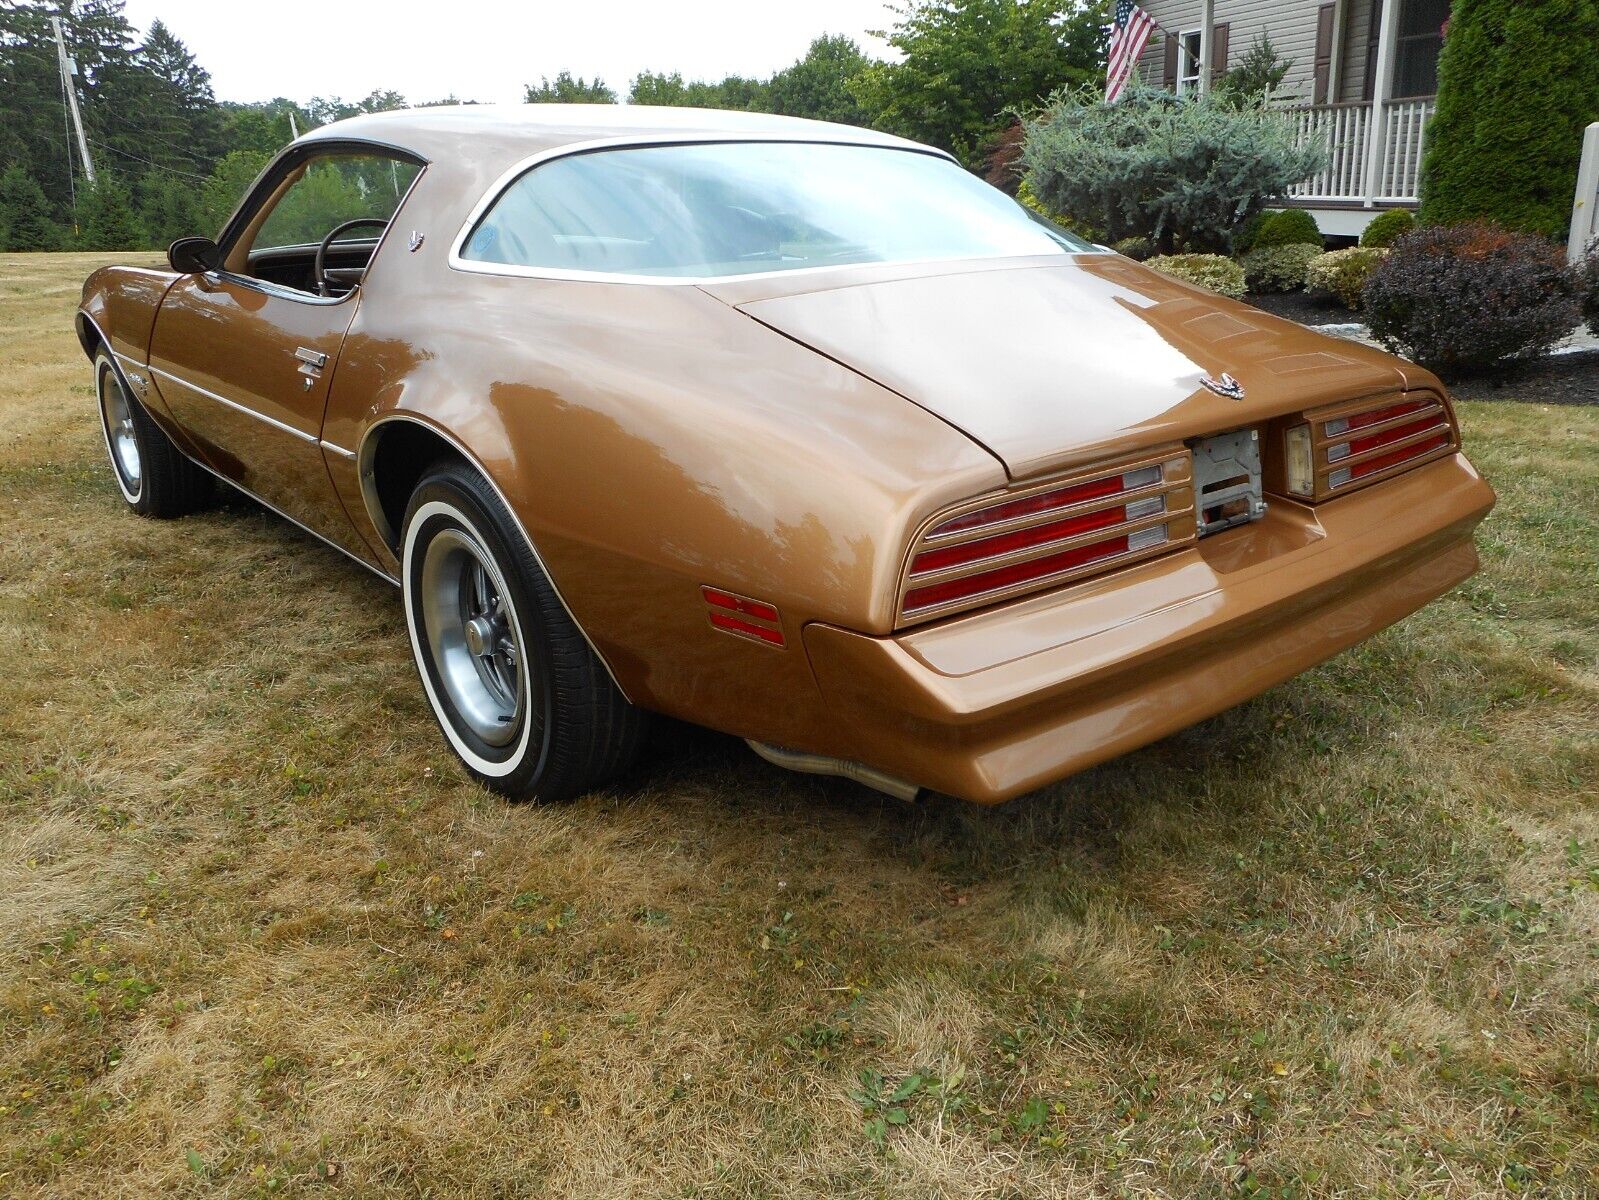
1048 502
1038 568
1020 543
1005 543
1391 437
743 616
1362 444
1375 416
1383 461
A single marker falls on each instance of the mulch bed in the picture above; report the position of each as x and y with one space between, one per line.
1558 379
1304 308
1554 379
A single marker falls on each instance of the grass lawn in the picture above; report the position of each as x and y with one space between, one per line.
259 934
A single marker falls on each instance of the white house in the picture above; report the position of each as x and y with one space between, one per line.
1364 79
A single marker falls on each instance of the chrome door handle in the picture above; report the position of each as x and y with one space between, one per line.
312 358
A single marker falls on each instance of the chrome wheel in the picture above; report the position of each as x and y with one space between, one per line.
472 636
117 413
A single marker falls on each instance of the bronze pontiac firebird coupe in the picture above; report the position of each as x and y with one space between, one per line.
792 430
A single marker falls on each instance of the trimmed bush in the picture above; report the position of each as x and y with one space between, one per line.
1588 280
1517 82
1136 248
1291 227
1181 171
1343 273
1278 268
1387 228
1026 198
1244 236
1213 272
1459 298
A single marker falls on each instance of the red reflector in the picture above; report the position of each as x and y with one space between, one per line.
1022 539
987 581
1372 440
750 608
1032 505
1383 461
747 628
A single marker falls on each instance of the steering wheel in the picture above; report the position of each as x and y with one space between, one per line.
319 271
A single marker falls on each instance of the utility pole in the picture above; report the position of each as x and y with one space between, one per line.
68 70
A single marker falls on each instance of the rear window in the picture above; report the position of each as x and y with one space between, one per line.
718 209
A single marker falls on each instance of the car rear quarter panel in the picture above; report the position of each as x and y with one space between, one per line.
652 440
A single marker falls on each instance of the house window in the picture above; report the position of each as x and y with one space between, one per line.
1188 62
1421 38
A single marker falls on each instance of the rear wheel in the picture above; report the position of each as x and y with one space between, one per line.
521 697
151 473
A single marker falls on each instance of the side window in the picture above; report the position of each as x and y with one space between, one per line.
332 190
1188 62
327 192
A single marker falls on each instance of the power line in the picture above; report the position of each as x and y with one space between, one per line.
99 145
105 115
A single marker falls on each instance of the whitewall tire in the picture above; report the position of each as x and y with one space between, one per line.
152 474
518 693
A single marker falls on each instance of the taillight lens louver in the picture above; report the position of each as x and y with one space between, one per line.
1336 449
1002 546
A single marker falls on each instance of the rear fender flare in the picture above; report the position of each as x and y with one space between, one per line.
366 454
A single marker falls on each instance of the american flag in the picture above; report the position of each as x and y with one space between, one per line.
1127 41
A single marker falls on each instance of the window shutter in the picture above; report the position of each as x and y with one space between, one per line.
1218 49
1324 51
1170 73
1373 38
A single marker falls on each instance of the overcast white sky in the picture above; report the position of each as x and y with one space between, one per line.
487 49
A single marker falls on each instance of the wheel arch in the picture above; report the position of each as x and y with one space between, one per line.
394 452
89 333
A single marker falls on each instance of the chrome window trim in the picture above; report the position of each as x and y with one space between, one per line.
334 147
281 291
339 450
236 406
374 514
472 266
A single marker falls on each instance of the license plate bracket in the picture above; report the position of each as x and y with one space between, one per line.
1227 485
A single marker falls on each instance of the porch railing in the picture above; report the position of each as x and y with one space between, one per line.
1346 131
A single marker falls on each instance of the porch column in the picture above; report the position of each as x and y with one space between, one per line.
1335 69
1383 86
1207 30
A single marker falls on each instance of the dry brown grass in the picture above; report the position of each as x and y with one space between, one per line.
261 935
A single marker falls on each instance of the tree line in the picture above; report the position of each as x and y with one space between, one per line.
170 159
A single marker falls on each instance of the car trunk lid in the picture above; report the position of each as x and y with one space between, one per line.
1051 362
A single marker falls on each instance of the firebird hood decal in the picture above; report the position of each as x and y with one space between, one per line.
1049 365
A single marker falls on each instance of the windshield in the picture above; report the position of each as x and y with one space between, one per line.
736 208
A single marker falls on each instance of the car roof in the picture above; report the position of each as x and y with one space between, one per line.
508 133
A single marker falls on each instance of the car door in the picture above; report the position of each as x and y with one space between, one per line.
243 356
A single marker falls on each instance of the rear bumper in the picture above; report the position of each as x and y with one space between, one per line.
992 705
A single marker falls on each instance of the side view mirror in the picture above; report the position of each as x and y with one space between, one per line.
194 255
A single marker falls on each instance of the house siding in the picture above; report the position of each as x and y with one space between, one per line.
1357 38
1290 24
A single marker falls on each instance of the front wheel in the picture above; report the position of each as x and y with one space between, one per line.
152 474
521 697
